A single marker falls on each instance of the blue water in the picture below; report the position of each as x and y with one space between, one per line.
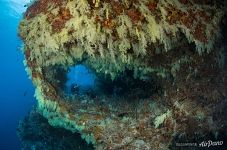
16 90
80 76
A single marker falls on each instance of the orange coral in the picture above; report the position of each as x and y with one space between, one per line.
135 15
152 6
41 6
58 22
199 33
117 7
108 23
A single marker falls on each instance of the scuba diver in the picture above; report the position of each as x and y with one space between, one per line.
74 88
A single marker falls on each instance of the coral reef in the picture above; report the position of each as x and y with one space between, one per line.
171 50
36 133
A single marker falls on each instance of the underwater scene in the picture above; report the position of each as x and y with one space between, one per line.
113 75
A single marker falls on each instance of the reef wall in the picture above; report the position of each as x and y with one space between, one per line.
174 45
35 132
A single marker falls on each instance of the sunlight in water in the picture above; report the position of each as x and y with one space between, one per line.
17 6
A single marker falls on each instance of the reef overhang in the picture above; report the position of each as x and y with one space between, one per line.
176 43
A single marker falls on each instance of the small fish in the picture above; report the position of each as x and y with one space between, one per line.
25 93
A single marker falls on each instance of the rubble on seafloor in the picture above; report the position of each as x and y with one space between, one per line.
162 61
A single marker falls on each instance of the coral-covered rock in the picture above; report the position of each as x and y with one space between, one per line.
161 63
35 132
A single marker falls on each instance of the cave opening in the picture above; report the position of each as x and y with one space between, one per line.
80 81
127 86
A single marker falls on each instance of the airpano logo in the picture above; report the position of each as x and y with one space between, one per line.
210 143
207 144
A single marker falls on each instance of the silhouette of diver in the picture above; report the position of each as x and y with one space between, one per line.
74 88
